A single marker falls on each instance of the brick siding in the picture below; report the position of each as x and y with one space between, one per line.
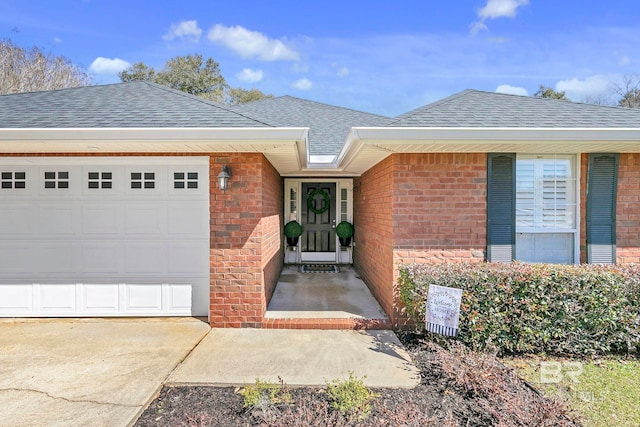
628 209
418 208
246 246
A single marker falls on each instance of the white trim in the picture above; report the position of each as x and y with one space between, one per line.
399 135
154 134
105 160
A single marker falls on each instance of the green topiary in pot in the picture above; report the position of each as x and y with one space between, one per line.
292 230
344 230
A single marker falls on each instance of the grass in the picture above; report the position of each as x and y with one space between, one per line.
604 392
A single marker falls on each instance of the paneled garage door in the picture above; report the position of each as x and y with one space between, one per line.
104 236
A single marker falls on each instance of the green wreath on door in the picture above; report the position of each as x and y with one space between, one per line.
311 198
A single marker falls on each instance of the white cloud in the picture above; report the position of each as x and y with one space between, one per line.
343 72
108 66
593 86
299 67
496 9
251 44
512 90
625 60
57 40
250 76
302 84
184 29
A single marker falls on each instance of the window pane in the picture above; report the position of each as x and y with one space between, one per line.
545 191
555 248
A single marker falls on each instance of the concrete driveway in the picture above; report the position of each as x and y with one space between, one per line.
93 372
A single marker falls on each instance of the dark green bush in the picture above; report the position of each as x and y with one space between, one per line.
535 308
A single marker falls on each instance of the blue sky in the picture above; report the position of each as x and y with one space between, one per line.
384 57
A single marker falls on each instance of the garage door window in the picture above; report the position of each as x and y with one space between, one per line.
100 180
143 180
56 180
185 180
13 180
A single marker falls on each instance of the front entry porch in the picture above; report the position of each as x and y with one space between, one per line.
323 301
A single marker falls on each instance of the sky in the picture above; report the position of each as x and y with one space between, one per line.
383 57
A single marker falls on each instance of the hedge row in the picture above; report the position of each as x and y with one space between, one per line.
535 308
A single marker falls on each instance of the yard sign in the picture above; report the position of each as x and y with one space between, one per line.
443 310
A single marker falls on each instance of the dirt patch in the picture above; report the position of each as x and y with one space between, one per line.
457 387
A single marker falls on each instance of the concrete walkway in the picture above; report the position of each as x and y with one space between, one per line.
104 372
87 372
299 357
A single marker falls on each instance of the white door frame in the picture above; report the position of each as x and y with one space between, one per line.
344 212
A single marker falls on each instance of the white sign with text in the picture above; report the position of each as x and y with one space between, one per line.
443 310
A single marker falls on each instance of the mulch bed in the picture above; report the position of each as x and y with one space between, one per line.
458 388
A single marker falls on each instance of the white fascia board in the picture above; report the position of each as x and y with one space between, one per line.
402 135
154 134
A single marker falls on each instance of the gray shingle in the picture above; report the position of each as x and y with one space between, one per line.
133 104
328 125
473 108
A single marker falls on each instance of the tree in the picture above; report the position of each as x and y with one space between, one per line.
138 71
191 74
547 92
242 96
629 91
28 70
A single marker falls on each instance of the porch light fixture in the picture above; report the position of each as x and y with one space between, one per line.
223 178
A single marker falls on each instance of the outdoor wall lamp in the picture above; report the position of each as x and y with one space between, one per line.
223 178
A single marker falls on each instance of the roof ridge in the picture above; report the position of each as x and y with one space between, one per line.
431 105
325 104
201 99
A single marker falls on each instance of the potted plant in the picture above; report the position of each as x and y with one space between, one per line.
344 230
292 230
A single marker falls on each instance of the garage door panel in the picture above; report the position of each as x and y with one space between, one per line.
101 299
145 220
186 257
54 220
144 298
117 236
104 219
187 219
58 258
145 258
16 259
17 220
104 258
16 299
57 298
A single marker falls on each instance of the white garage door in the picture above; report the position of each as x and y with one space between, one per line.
104 236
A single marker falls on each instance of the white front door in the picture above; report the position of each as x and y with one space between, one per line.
104 236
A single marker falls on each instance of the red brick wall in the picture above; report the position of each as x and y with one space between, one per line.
584 168
246 250
272 228
418 208
628 209
439 207
373 250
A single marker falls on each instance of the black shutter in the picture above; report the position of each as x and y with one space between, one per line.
501 207
601 208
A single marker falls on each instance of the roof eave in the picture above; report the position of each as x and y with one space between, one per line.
367 146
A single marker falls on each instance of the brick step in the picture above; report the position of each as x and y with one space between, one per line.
320 323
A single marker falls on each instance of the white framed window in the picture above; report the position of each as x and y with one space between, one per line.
546 208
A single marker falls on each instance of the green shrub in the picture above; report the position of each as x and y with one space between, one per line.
351 397
535 308
344 230
293 229
264 394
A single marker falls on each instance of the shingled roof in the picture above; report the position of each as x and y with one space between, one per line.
134 104
473 108
329 125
